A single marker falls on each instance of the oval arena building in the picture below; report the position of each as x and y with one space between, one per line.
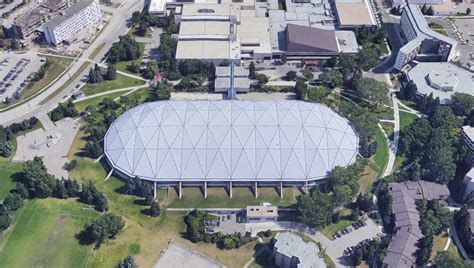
220 143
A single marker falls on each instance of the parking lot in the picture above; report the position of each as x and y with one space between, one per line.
466 28
16 71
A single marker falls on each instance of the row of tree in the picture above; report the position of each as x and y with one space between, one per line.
35 182
8 135
97 75
316 209
66 109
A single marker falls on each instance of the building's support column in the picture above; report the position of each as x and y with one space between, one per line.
154 189
230 189
306 187
205 189
179 190
98 159
110 174
256 190
281 189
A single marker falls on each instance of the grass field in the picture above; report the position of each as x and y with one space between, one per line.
6 170
45 230
122 81
82 105
406 119
57 66
380 158
439 241
123 65
454 250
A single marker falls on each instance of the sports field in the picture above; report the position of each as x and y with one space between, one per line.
42 235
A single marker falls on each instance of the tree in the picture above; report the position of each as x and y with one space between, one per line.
161 92
252 70
291 75
468 11
155 209
409 91
424 251
430 11
366 202
462 104
332 78
446 259
438 158
128 262
126 49
300 88
414 138
136 18
36 179
102 229
95 75
111 73
13 202
308 74
93 149
261 78
372 90
73 188
342 195
424 9
315 209
59 190
100 202
5 222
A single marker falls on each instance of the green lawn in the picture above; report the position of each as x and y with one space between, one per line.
43 235
406 119
122 81
410 104
7 169
380 158
82 105
57 66
123 65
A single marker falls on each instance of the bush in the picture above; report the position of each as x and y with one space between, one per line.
155 209
102 229
13 202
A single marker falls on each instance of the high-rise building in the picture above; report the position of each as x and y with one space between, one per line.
74 19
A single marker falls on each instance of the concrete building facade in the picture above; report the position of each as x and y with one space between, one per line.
262 213
468 138
422 43
290 251
468 183
76 18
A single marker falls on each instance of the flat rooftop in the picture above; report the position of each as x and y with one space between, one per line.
446 74
354 13
262 211
290 245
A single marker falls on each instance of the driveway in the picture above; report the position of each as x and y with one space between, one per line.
334 248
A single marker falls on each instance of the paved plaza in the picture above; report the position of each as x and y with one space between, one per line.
51 143
179 256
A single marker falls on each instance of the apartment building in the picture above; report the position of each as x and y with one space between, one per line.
290 251
468 138
422 43
74 19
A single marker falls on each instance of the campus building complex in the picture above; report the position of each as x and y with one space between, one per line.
216 31
401 251
73 20
468 138
422 43
229 143
290 251
25 24
441 79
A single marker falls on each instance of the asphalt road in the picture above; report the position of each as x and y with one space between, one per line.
117 26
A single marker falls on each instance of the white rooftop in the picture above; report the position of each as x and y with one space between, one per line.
230 140
290 245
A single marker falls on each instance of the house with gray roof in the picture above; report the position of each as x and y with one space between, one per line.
401 251
290 251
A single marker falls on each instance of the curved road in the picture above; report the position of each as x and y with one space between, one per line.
116 26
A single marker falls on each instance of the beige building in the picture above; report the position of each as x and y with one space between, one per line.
354 13
261 213
218 32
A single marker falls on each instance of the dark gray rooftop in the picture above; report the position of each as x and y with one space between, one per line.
309 39
69 12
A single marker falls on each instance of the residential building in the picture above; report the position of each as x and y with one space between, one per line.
76 18
354 13
468 138
471 227
441 79
261 213
422 43
468 183
404 244
30 21
290 251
